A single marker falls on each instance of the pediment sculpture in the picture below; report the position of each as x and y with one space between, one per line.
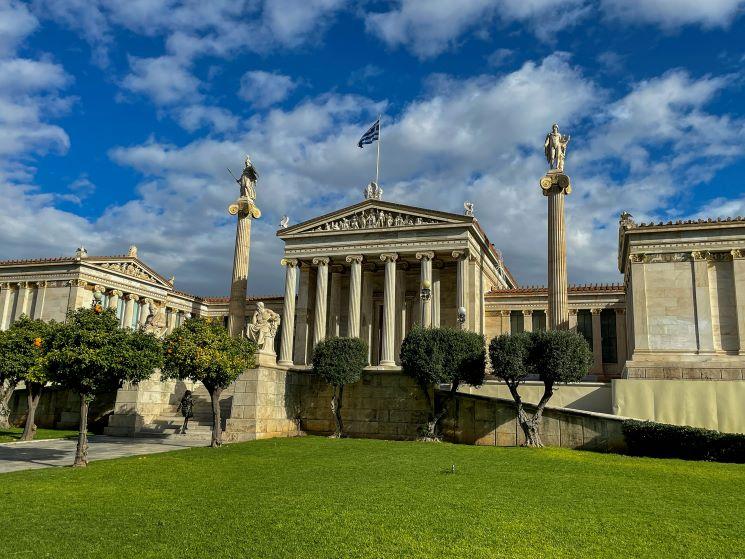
375 219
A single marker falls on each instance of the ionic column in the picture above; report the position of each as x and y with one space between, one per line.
24 292
41 296
703 302
145 307
288 312
436 297
170 320
621 338
738 271
355 295
527 320
179 317
506 324
366 328
114 295
129 309
400 309
461 281
322 286
573 320
6 296
388 359
425 277
334 320
597 343
302 324
100 289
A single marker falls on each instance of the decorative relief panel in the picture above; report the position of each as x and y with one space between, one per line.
375 219
130 269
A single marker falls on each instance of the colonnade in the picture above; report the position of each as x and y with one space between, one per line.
295 335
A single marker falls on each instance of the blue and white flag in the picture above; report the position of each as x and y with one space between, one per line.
372 135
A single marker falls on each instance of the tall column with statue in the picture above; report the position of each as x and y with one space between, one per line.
556 185
245 208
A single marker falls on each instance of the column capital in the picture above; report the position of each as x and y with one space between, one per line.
737 253
148 301
354 258
42 284
321 261
77 283
132 297
595 310
458 254
99 289
289 262
636 258
389 257
620 311
115 293
572 312
505 312
426 255
527 312
699 254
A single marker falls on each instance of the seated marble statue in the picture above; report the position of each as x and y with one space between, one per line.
263 327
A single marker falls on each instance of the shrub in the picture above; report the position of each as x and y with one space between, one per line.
660 440
443 356
339 361
555 356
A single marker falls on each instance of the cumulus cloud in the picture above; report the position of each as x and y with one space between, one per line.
671 14
264 89
164 79
16 22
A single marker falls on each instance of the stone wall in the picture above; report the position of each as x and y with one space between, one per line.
492 421
60 409
384 404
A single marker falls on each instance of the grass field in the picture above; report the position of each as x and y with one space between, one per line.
14 433
315 497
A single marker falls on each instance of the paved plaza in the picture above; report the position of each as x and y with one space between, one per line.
61 452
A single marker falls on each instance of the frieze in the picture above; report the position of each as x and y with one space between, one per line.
668 257
129 269
375 219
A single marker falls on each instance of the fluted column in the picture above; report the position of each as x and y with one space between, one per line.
558 297
425 278
436 291
6 297
145 307
322 286
461 281
597 343
24 292
506 324
41 297
114 295
288 312
129 309
367 313
302 319
355 295
528 320
738 271
170 320
572 319
389 309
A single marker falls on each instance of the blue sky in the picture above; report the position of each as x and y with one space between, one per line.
117 121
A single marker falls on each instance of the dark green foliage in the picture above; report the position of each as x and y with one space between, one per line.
660 440
558 356
340 361
22 350
444 356
509 356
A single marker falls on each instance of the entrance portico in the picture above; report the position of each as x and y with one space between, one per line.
361 270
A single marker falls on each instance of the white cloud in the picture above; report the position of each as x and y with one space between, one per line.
16 22
194 117
264 89
164 79
671 14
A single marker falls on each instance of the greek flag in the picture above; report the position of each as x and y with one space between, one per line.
371 135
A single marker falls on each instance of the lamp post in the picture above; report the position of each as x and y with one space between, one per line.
424 295
461 315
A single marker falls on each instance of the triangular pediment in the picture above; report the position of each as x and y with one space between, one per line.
130 266
375 215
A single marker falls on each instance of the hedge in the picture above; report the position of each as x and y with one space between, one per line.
660 440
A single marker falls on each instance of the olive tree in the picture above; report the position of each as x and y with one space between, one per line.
22 351
339 361
556 356
434 356
89 354
201 350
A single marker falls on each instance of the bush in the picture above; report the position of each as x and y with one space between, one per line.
443 356
339 361
660 440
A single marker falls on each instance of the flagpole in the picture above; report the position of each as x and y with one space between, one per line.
377 161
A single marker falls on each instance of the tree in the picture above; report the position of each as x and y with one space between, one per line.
90 354
202 350
555 356
22 351
443 356
339 361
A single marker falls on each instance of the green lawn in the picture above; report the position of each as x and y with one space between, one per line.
316 497
14 433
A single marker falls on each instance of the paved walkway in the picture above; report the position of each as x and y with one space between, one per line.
61 452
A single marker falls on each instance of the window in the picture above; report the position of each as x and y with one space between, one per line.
517 322
608 335
584 325
539 321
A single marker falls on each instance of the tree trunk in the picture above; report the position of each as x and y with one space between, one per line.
216 421
338 393
6 393
430 432
33 396
81 453
531 425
